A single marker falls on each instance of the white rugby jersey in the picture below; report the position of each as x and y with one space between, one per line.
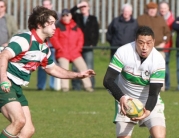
29 52
135 77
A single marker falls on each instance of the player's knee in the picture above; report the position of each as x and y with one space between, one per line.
27 132
159 135
19 123
31 131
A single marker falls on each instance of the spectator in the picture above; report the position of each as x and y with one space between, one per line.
175 27
158 25
68 42
41 74
24 53
89 26
122 29
8 25
169 18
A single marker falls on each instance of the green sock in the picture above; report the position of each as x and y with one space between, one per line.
2 136
5 134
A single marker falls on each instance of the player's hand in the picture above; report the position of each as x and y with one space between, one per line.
146 114
123 101
5 85
86 74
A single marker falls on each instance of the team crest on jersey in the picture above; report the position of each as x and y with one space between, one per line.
145 75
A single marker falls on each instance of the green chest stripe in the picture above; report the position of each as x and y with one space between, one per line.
135 79
20 74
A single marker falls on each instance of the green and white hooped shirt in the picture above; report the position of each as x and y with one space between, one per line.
135 77
29 52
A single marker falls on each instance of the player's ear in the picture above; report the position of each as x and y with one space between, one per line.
154 41
39 26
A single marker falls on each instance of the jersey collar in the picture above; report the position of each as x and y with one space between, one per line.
36 36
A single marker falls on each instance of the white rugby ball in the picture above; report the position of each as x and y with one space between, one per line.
135 108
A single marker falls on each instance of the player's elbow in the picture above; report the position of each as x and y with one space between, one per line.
106 82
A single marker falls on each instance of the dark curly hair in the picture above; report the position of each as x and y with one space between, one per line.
40 16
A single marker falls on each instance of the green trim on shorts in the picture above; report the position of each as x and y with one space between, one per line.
15 94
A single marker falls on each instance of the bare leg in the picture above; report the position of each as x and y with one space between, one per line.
124 137
158 132
14 113
28 130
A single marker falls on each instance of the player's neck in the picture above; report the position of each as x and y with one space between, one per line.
41 35
142 59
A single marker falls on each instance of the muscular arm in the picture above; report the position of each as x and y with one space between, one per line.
59 72
4 58
154 89
109 83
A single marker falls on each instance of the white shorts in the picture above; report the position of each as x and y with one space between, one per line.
125 126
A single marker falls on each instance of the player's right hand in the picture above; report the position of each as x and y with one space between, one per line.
123 103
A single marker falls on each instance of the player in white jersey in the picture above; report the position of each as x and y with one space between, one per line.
21 57
137 70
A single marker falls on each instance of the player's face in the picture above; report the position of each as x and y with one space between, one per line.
144 45
49 28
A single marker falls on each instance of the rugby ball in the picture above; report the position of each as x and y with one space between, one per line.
135 108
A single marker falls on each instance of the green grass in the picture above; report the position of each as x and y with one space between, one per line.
86 115
89 115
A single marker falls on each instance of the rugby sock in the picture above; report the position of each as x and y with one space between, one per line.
6 134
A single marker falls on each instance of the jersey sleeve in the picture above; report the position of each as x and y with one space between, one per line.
49 60
158 75
18 44
117 60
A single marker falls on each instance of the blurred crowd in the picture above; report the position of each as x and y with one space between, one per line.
74 30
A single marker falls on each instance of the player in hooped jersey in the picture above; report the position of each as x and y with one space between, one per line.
21 57
137 70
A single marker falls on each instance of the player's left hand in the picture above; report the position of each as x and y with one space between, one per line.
85 74
146 114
